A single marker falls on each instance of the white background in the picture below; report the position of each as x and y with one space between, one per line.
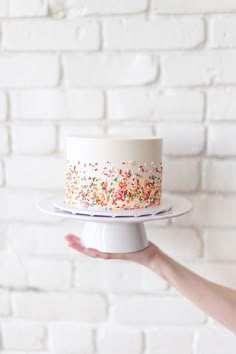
115 67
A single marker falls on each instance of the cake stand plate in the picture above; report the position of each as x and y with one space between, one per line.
117 234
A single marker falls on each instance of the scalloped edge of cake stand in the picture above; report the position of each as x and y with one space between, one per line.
165 205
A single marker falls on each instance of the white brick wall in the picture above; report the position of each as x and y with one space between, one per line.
221 104
222 31
93 7
122 338
169 341
157 310
28 70
50 35
23 335
27 139
70 338
4 140
185 6
221 140
34 173
199 69
108 67
3 106
70 306
169 105
118 277
213 340
219 244
57 104
27 8
135 34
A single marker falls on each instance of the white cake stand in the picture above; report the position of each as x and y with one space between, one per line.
112 233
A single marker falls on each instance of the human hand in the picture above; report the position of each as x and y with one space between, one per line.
144 257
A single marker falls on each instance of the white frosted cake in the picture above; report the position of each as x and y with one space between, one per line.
113 173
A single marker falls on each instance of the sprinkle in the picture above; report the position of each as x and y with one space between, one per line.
113 189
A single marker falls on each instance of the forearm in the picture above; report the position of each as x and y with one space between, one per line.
216 300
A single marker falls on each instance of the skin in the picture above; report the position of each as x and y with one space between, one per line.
216 300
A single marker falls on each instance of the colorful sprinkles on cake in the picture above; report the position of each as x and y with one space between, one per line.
132 186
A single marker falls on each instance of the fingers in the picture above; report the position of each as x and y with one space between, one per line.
74 242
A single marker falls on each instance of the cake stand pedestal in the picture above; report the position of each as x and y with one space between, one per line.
118 234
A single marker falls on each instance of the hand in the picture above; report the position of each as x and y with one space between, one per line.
144 257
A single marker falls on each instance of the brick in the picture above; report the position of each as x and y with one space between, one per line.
28 139
219 175
221 104
124 338
222 31
35 173
85 104
150 310
102 7
169 341
41 240
22 205
16 352
29 70
182 105
2 177
81 130
210 211
196 69
4 140
28 8
4 8
70 337
219 244
110 69
188 176
3 106
12 272
212 340
140 103
151 283
221 140
181 243
23 335
57 104
129 130
135 103
4 302
50 35
48 274
137 33
223 274
4 228
116 276
182 139
59 306
189 7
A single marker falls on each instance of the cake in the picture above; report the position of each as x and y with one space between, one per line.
113 173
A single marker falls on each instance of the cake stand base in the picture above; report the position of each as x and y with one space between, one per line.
119 238
117 234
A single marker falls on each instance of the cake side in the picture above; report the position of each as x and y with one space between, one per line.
113 174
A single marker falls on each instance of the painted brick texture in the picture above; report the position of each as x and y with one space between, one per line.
104 68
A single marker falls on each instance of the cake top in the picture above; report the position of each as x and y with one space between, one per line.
102 149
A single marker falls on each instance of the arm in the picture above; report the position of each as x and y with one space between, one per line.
216 300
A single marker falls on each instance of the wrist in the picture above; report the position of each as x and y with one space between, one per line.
159 262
